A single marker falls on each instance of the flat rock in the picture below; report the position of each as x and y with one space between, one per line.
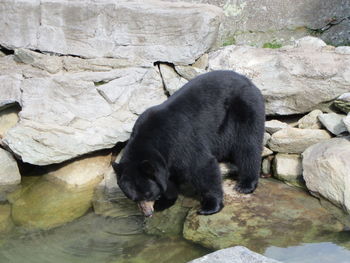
288 168
149 30
9 173
65 116
289 77
261 219
274 126
236 254
82 172
333 122
294 140
310 120
326 169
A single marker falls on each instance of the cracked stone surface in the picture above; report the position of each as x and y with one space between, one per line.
136 31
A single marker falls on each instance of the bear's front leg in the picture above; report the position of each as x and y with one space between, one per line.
168 198
207 181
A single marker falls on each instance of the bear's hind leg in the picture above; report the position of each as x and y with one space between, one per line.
207 181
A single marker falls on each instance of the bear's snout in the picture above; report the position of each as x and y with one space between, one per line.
146 207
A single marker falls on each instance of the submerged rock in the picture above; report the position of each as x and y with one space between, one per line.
5 218
326 170
236 254
275 214
43 204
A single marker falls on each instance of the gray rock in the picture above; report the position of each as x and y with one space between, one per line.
343 102
189 72
288 78
202 62
326 169
310 43
9 173
148 30
266 166
338 34
266 152
267 137
345 50
76 117
8 119
236 254
294 140
346 121
51 64
10 91
172 80
310 121
274 126
288 168
333 122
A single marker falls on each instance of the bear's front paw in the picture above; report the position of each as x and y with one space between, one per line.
210 206
245 187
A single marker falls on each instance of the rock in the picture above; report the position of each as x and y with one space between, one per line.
202 62
288 168
267 137
43 204
294 140
288 77
85 171
266 152
8 119
333 122
343 102
345 50
262 219
189 72
151 31
274 126
2 54
346 121
9 173
172 80
338 34
10 91
76 117
169 221
310 121
266 166
5 218
310 43
236 254
326 170
109 181
51 64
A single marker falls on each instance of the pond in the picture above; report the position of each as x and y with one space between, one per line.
111 234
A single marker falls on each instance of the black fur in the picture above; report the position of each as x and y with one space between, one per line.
218 116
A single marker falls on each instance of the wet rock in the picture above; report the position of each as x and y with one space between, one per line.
274 126
288 168
333 122
82 172
42 204
172 80
9 173
169 221
294 140
262 219
310 121
5 218
76 117
8 119
288 77
51 64
343 102
152 31
236 254
326 169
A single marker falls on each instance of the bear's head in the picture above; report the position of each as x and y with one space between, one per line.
143 182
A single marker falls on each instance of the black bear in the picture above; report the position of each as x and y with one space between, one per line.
217 116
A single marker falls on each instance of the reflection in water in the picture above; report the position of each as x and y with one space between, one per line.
326 252
94 238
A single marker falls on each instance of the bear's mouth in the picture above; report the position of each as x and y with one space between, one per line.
146 207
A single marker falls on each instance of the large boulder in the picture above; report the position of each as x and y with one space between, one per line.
274 215
326 169
289 77
65 116
146 31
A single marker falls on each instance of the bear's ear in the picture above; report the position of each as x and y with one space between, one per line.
148 168
117 168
